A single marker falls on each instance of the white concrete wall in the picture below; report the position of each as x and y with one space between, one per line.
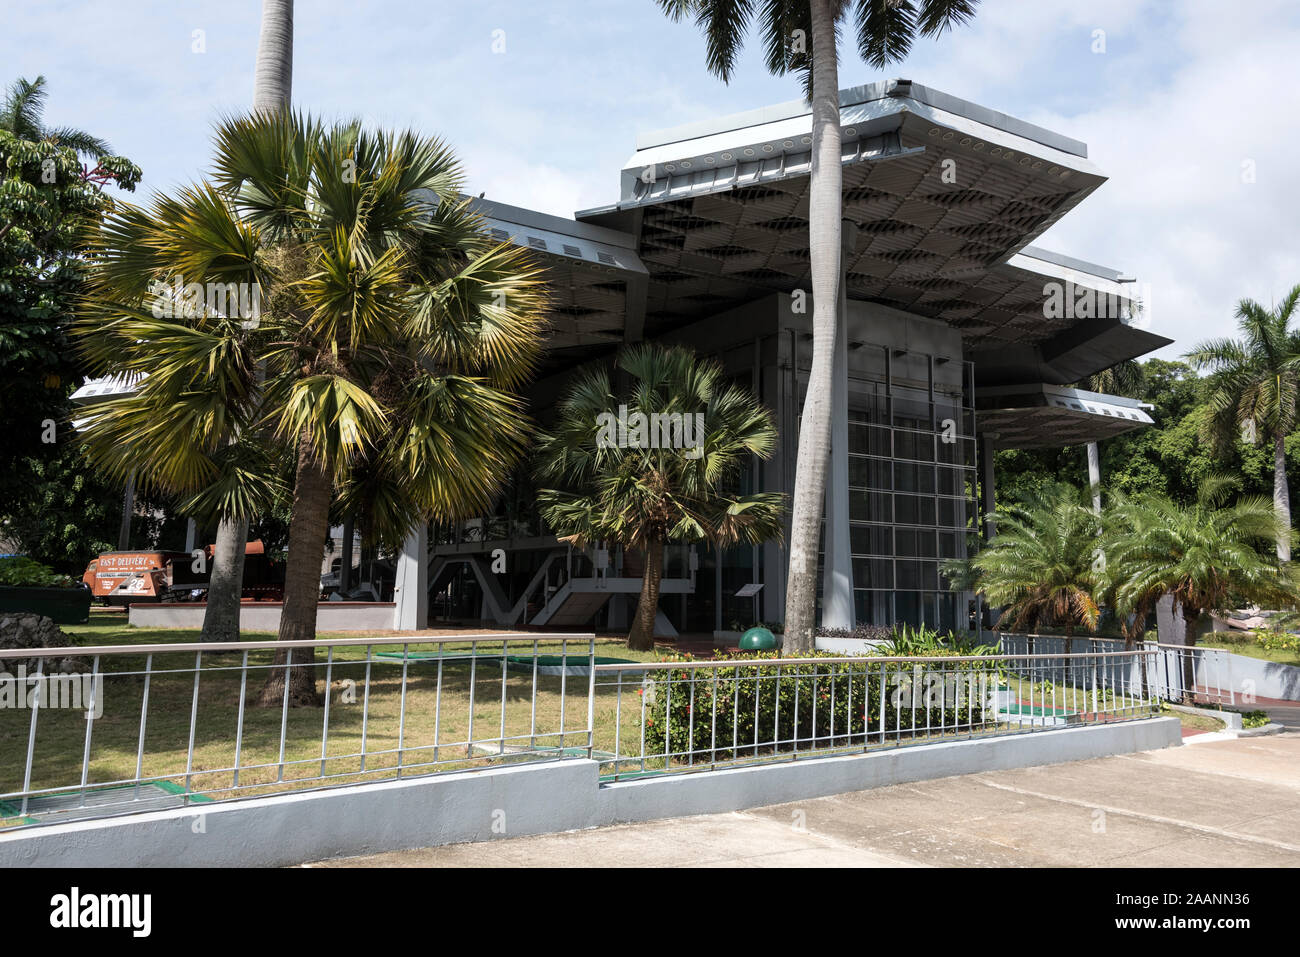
265 615
521 800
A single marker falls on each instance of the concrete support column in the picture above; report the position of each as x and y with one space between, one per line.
411 589
987 486
345 565
837 581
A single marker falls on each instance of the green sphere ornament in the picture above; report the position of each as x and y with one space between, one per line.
757 639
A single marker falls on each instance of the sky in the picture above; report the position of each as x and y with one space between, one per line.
1191 107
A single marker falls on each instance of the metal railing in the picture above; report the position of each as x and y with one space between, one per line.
701 715
1182 674
183 724
136 727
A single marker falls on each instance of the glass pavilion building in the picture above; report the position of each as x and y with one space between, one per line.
956 344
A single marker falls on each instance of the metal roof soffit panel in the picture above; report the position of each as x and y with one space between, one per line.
746 166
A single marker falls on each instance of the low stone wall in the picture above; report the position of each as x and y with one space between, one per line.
528 799
265 615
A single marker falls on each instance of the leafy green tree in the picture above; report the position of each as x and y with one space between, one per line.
48 201
392 335
1253 387
644 493
1041 566
67 513
23 115
803 37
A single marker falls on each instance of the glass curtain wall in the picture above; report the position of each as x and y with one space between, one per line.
912 474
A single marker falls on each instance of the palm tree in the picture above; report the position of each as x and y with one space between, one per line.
1207 557
23 115
885 30
1040 566
1253 389
1124 378
389 344
273 79
644 493
272 86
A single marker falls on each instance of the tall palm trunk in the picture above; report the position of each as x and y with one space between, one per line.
221 618
824 251
1094 475
273 79
307 530
1281 498
642 635
272 82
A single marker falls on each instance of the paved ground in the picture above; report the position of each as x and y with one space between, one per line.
1228 803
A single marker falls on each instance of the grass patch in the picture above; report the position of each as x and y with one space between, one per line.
1247 646
1193 722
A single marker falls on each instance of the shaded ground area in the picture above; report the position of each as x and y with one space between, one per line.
1216 804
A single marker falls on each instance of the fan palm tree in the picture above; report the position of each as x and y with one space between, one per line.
272 85
391 338
1253 389
1207 556
1124 378
802 37
1040 566
644 493
23 115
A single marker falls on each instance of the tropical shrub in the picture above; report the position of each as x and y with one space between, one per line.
23 572
1278 641
906 641
716 714
1041 566
1254 719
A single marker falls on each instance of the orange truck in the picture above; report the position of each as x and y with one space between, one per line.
121 578
124 578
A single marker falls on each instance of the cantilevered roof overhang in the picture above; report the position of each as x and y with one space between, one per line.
946 196
1043 416
597 281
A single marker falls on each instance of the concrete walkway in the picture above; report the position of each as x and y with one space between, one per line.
1222 803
